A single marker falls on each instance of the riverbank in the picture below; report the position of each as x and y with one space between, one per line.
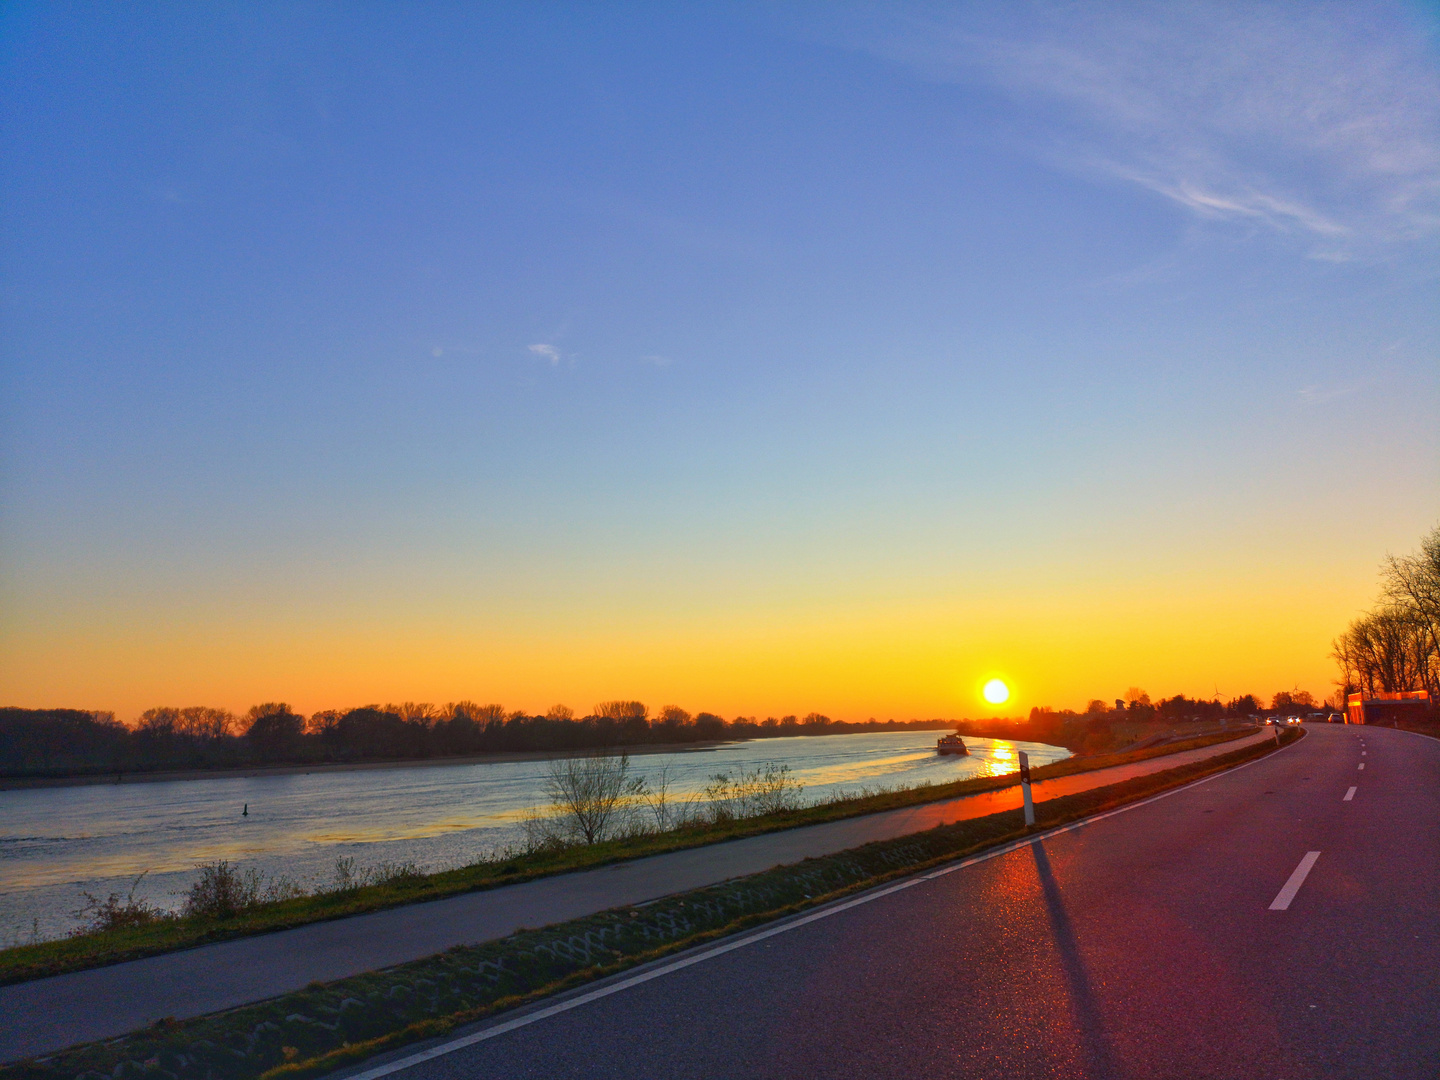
168 934
22 783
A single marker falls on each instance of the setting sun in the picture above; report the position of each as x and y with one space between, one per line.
996 692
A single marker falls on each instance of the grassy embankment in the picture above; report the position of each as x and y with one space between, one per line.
23 962
327 1027
1421 727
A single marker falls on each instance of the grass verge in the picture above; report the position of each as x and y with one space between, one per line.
1420 727
325 1027
21 963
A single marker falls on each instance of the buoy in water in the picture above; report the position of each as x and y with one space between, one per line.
246 811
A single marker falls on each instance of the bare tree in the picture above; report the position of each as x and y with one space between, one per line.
416 712
1389 649
480 714
1413 582
622 711
673 718
201 722
273 728
655 793
591 792
196 722
159 721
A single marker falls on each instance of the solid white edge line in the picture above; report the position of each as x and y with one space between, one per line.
1292 886
739 943
1349 795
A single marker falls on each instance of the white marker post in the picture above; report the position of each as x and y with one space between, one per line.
1025 788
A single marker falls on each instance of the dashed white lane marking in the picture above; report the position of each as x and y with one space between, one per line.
1349 795
1364 752
1361 766
1291 887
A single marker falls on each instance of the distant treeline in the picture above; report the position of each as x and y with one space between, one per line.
1103 726
70 742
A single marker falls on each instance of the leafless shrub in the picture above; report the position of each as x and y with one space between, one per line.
113 913
348 878
655 795
546 832
765 789
500 855
283 888
396 873
222 891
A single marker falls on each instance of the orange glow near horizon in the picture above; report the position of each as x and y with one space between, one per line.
851 661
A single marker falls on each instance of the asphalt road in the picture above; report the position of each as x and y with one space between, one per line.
49 1014
1150 943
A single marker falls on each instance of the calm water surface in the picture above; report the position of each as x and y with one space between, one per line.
58 843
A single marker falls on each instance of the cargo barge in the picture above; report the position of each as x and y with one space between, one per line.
951 744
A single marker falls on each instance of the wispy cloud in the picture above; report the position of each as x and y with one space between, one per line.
1318 395
1319 120
656 361
547 352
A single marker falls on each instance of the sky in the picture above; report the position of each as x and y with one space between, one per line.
759 359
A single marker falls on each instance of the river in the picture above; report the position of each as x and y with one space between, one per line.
59 843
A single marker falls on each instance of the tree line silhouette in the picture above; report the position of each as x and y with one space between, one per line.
1105 725
74 742
66 742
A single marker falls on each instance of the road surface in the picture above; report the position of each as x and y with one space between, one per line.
1196 935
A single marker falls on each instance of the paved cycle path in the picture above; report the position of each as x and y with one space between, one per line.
50 1014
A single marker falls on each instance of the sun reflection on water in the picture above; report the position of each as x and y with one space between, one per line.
997 759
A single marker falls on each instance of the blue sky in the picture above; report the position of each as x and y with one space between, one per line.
533 351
